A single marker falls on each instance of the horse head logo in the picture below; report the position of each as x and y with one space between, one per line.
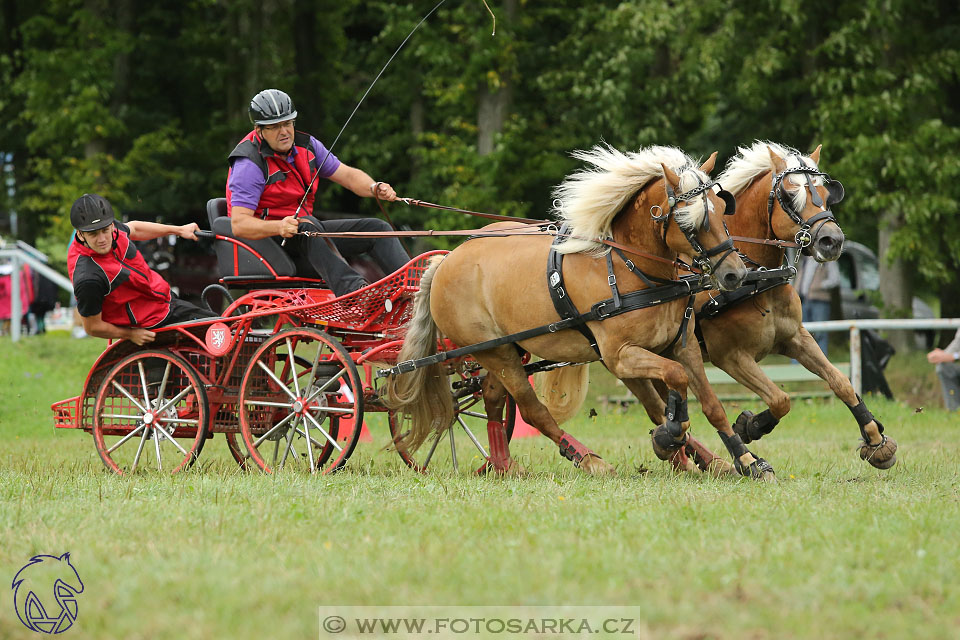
45 593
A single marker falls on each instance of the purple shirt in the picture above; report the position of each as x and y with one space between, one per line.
247 182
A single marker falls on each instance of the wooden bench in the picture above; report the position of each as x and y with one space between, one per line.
779 373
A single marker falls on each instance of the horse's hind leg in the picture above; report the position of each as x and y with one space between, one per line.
504 364
877 449
494 400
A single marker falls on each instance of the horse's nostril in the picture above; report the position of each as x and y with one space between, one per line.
826 242
731 279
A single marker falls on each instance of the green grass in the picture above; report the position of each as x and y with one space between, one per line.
836 549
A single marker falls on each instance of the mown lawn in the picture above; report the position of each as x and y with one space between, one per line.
836 549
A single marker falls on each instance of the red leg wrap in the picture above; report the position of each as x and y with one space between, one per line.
499 447
572 449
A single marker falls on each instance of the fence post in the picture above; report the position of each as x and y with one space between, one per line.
856 377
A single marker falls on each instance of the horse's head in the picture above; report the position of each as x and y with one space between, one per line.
698 206
799 205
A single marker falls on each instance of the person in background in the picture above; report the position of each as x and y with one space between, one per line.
272 172
814 284
948 370
118 295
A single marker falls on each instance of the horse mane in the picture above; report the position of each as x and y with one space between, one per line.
753 161
589 199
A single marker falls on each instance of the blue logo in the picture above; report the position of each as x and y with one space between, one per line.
45 593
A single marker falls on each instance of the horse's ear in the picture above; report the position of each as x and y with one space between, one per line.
707 166
779 165
815 156
672 179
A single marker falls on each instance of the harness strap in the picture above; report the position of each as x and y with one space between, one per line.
756 282
561 301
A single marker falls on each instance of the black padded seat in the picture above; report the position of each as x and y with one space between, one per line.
235 259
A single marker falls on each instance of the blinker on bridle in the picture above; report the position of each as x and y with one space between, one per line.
702 257
834 195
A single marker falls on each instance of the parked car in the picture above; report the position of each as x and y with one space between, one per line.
859 274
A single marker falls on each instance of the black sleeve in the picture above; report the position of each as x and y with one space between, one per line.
90 293
122 227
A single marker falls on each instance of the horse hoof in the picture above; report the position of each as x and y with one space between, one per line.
719 467
741 426
664 445
881 456
597 466
759 469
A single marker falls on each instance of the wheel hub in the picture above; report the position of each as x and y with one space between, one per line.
148 418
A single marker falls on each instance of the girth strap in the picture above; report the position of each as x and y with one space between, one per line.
561 301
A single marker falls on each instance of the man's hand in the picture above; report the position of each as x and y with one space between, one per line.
142 336
383 191
188 231
289 227
939 355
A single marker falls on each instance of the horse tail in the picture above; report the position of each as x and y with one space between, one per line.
563 390
422 394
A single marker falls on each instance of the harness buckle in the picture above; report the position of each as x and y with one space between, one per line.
601 315
560 292
688 312
630 264
611 280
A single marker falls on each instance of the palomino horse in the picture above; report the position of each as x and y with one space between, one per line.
781 195
491 287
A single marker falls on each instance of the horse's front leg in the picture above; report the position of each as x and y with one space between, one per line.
745 462
877 449
637 367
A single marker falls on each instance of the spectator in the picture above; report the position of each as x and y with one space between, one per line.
814 284
948 370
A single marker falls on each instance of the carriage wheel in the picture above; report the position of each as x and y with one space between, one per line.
298 394
465 442
235 442
151 410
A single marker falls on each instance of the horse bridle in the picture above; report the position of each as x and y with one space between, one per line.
702 256
834 195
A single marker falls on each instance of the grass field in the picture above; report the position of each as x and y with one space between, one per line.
836 549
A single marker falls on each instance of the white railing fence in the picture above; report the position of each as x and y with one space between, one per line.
19 256
854 327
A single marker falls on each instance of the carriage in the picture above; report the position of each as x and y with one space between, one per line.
286 373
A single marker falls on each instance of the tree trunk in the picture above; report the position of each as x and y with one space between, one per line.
493 105
895 282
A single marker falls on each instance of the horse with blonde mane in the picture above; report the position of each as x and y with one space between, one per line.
492 288
781 195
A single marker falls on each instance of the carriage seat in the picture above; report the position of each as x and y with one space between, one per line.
237 258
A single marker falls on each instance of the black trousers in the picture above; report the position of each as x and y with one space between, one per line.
183 311
315 253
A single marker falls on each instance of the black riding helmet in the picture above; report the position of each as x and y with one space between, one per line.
91 212
271 106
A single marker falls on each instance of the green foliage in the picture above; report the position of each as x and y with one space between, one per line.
143 103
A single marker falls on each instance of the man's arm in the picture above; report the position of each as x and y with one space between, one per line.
245 225
140 230
361 183
96 326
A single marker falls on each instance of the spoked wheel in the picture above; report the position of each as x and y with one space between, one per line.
151 412
235 441
298 393
465 442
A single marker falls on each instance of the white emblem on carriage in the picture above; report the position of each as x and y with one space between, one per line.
218 339
388 305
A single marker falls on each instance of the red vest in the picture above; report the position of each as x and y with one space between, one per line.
286 183
138 296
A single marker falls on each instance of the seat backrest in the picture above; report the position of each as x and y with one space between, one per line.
216 208
238 257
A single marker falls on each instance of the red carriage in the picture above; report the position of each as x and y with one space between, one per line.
286 374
